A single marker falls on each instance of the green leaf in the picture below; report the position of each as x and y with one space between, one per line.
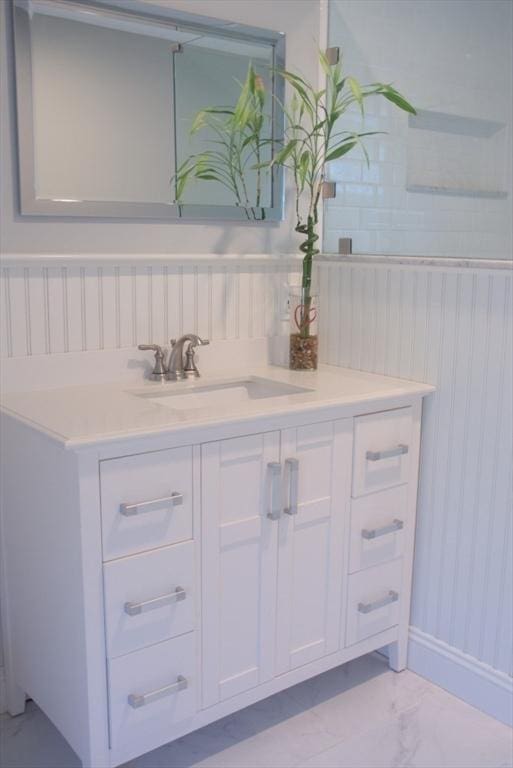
325 63
356 91
284 153
341 150
296 83
304 162
392 95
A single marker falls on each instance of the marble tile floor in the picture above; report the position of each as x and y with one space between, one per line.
360 715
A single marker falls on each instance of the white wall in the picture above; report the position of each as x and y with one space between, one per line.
451 327
298 19
453 57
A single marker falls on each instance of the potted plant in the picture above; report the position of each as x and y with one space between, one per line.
240 139
311 140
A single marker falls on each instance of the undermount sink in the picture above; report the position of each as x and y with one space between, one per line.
218 394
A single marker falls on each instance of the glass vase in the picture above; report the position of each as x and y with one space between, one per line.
304 340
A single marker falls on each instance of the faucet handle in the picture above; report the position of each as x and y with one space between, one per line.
160 368
190 369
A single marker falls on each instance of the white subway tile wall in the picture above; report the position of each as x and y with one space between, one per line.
452 59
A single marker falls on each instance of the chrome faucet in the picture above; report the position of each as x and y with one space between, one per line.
178 368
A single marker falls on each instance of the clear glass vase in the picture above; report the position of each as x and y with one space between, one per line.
304 340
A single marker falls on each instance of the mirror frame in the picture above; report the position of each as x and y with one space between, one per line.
30 205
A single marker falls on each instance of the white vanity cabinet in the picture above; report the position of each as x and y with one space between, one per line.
273 514
165 582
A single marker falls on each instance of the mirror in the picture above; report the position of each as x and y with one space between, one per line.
107 94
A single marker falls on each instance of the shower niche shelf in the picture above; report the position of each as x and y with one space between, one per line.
456 155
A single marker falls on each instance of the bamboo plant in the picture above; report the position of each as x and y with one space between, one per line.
239 139
312 139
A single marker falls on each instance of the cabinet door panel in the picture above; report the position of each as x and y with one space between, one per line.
311 542
239 565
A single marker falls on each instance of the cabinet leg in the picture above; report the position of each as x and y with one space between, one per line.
398 655
15 699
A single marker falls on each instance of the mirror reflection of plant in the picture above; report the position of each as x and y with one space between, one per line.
240 140
311 140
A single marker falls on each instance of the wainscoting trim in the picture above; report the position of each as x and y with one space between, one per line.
462 675
418 261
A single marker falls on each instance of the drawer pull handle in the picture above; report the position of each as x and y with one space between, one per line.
274 468
399 450
137 700
292 465
134 609
373 533
392 597
148 506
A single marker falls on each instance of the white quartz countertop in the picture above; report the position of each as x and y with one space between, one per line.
80 416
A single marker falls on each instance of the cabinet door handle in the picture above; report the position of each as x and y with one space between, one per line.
137 700
137 508
292 465
274 468
398 450
134 609
392 597
373 533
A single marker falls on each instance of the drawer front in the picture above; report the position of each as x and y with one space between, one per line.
374 601
149 597
146 501
149 691
382 445
378 525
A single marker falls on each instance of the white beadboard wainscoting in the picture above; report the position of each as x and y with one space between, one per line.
58 304
449 325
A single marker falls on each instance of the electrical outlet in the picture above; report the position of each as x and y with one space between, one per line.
284 303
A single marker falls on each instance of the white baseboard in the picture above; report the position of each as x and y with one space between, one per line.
3 697
462 675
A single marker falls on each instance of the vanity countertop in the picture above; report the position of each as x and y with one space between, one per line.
83 416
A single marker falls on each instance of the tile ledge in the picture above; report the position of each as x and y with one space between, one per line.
418 261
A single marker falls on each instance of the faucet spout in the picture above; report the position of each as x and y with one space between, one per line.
176 368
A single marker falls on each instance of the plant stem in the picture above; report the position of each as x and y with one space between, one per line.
309 249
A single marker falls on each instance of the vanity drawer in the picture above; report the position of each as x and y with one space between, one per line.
149 691
149 597
382 444
378 524
146 501
373 601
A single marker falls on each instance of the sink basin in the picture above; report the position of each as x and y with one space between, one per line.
218 394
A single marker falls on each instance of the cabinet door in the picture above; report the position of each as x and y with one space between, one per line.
239 545
317 467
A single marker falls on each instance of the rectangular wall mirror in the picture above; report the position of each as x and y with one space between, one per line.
107 95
